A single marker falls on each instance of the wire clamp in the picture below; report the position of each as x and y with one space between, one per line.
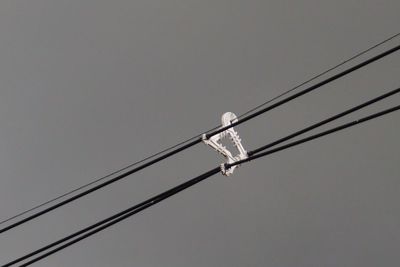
227 119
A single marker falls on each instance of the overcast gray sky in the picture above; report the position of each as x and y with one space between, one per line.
90 86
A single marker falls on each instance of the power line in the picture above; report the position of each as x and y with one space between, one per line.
152 201
308 90
315 136
199 139
100 179
335 117
330 119
323 73
197 136
97 187
132 210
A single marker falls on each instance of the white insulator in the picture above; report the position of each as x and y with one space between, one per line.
227 119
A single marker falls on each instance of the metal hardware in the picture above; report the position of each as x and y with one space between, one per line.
227 119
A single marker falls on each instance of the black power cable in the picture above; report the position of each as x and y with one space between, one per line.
117 217
308 90
197 136
335 117
100 179
330 119
97 187
199 139
322 73
315 136
146 204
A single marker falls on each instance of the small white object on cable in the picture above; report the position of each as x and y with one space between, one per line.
227 119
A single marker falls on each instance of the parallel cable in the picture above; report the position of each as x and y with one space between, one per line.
97 187
322 73
319 124
332 118
146 204
208 135
117 217
101 179
307 90
197 136
315 136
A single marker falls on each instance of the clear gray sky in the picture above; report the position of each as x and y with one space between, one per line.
89 86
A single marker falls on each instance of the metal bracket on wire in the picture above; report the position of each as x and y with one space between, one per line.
227 119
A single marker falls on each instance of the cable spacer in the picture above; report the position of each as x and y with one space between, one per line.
227 119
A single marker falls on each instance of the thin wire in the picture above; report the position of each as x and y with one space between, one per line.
335 117
197 136
208 135
322 73
146 204
132 210
307 90
315 136
330 119
97 187
101 178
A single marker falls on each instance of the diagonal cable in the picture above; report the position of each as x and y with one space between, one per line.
321 123
88 231
208 135
308 90
117 217
197 136
322 74
316 136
